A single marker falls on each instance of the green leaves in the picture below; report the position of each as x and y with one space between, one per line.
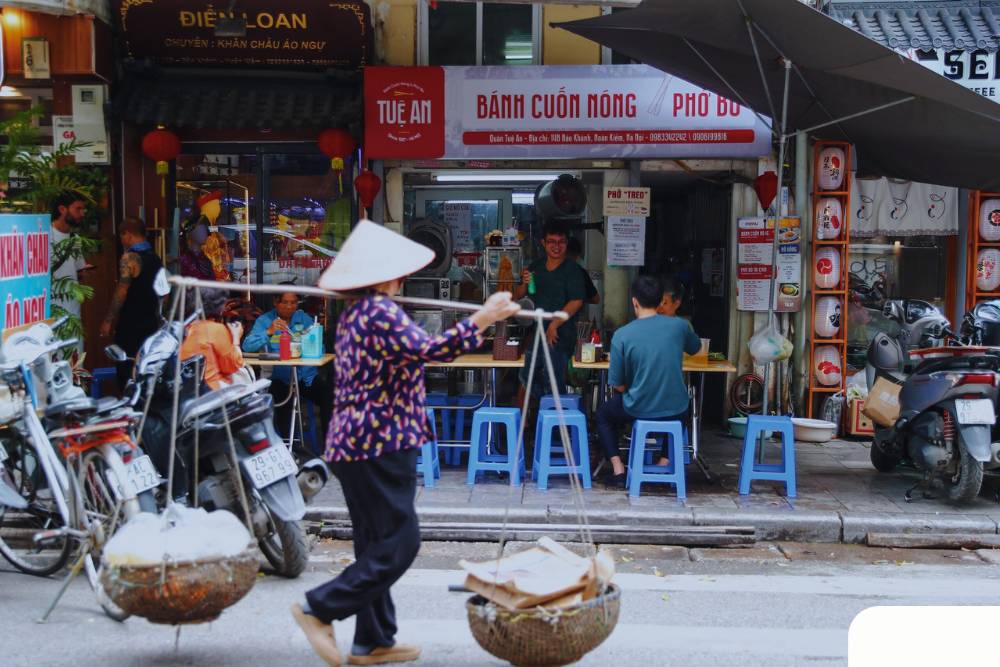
31 179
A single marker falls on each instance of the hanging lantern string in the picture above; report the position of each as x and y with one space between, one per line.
327 294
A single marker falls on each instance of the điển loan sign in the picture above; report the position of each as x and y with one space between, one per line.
24 268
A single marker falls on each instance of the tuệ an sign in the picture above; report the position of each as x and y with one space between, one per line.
560 111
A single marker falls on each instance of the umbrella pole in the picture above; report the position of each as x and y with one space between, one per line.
774 241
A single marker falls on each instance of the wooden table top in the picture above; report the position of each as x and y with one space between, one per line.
486 360
254 359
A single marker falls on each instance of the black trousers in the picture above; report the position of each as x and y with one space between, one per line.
612 415
317 393
380 496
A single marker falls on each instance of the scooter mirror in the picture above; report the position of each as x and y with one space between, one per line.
115 353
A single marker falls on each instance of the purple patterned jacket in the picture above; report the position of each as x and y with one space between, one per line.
378 397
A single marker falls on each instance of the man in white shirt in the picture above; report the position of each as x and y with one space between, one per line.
67 213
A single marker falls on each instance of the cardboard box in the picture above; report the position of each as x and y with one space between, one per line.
857 422
882 406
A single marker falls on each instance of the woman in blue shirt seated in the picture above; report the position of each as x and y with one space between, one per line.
647 374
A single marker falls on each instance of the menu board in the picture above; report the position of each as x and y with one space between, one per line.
757 264
626 240
458 216
755 238
789 266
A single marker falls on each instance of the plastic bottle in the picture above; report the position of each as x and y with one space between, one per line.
285 346
595 335
531 285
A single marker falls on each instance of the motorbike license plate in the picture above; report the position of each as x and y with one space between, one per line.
975 411
269 466
142 475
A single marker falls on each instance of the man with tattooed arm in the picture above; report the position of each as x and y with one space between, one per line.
135 304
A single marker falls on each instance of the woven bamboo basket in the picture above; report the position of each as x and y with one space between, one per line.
537 637
182 592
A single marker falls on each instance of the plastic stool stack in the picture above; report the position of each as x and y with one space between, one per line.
550 459
481 459
672 473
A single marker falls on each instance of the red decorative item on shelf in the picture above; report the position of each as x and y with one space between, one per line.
367 185
161 146
336 144
766 187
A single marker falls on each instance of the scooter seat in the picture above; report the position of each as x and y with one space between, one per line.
80 407
895 377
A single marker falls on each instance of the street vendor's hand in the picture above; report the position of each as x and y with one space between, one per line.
497 307
552 332
525 277
276 326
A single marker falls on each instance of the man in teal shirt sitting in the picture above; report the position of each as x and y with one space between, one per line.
646 371
263 337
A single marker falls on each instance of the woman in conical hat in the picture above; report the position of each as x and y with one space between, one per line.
378 425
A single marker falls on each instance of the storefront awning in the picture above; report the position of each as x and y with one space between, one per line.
905 120
231 102
964 26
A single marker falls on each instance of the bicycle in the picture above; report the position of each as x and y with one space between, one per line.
90 486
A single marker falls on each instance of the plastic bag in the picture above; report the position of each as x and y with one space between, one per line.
857 386
767 345
177 534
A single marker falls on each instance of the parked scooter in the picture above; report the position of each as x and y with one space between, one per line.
210 425
946 401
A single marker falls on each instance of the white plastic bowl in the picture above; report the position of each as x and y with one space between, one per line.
814 430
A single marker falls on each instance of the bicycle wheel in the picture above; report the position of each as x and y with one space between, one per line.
22 471
103 511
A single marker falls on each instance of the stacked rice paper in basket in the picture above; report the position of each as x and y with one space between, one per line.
542 606
181 566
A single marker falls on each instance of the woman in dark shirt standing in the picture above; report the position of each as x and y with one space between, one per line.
378 424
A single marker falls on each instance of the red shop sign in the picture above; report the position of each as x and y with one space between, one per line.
404 112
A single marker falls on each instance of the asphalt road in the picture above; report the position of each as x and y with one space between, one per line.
773 606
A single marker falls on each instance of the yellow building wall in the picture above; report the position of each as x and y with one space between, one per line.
561 47
396 31
396 34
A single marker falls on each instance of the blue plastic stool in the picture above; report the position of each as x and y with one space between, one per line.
428 463
98 376
445 419
639 472
762 425
651 453
552 460
453 455
480 459
569 402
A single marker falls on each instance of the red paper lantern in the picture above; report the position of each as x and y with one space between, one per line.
367 185
766 187
161 146
336 144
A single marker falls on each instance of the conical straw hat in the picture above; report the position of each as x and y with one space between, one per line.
372 255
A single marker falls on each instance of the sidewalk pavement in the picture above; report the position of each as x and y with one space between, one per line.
841 498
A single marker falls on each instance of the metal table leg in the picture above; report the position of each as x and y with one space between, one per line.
296 407
697 396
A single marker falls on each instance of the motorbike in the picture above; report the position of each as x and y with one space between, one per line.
946 403
212 429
